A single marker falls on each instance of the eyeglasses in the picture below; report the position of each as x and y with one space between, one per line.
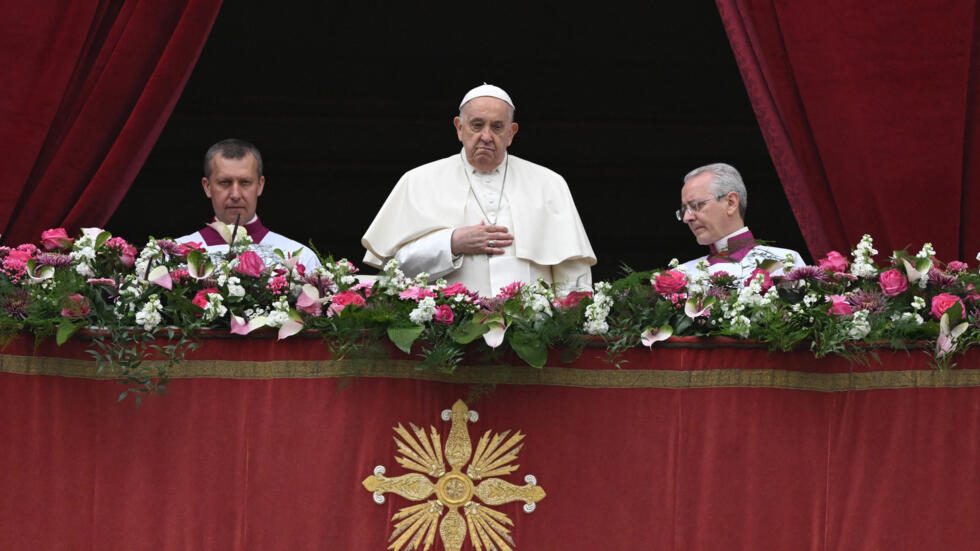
695 206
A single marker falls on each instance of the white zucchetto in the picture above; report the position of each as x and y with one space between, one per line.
487 90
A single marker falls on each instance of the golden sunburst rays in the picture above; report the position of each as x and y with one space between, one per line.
416 525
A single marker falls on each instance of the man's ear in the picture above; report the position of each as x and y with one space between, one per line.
261 186
206 186
731 202
458 123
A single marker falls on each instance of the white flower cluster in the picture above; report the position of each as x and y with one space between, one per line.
149 252
214 308
918 303
811 298
741 326
858 326
424 311
926 252
279 314
393 280
596 313
149 315
83 253
538 297
863 266
235 288
904 316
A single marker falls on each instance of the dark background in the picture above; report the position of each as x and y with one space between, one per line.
342 98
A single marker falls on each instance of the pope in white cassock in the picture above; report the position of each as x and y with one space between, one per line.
483 217
233 181
713 204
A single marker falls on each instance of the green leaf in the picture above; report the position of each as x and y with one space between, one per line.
403 337
468 331
65 330
102 238
530 348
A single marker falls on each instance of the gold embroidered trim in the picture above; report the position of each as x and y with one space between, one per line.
519 375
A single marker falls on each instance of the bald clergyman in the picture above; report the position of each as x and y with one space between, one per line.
483 217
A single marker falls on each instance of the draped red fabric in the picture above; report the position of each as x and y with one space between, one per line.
88 86
277 463
869 113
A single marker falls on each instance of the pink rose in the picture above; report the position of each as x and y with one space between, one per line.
766 279
77 307
669 282
892 282
957 266
343 300
943 302
455 289
250 264
839 306
191 246
55 239
444 314
201 298
833 262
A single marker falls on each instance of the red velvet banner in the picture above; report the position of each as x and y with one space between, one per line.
681 448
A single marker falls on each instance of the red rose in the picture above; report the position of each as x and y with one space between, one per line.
250 264
77 307
572 299
669 282
766 279
892 282
943 302
444 314
833 262
201 298
55 239
343 300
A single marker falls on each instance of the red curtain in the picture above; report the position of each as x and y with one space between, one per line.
87 88
710 461
869 111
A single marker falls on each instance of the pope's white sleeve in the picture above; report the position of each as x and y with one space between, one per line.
431 253
572 275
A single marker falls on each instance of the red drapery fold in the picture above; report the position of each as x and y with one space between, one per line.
87 89
869 114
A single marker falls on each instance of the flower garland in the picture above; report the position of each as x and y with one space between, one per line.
127 296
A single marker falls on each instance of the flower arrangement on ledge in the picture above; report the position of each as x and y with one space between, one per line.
129 298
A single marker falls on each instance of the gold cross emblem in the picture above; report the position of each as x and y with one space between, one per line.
416 525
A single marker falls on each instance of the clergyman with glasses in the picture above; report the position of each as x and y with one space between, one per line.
483 217
713 205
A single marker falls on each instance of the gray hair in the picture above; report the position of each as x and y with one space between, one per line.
231 148
724 180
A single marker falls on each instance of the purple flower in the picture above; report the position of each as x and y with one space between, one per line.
941 279
53 259
806 272
872 301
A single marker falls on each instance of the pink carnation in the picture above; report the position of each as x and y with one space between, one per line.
669 282
343 300
416 293
444 314
365 286
943 302
892 282
508 291
250 264
55 239
833 262
16 260
839 306
957 266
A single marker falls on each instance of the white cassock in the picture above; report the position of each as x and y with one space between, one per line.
265 243
416 222
744 267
